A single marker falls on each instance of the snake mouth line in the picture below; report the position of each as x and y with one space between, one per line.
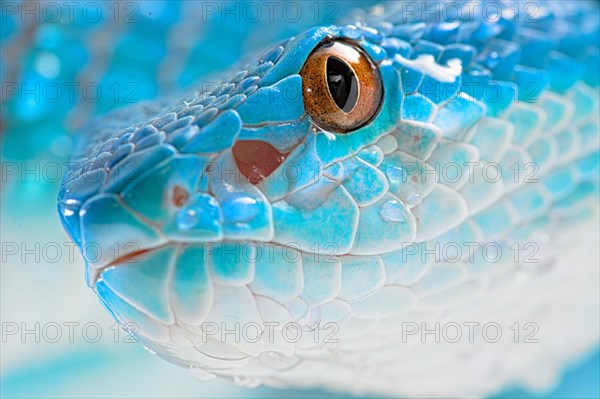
128 258
135 256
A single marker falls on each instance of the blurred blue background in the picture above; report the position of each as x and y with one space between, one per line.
62 64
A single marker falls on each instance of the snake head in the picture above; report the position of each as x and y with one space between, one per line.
247 199
313 188
290 192
190 208
247 161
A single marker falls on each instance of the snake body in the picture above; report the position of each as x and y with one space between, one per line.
486 138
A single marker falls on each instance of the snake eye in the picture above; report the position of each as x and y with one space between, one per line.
341 87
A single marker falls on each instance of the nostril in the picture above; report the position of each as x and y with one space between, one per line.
256 159
179 196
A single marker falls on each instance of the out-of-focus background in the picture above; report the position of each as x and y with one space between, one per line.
61 64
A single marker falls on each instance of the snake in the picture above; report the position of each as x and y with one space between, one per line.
419 168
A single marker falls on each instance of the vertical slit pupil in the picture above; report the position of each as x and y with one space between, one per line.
342 83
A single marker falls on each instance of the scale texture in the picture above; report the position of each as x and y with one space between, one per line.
469 198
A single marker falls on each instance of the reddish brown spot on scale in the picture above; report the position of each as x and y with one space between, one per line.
256 159
179 196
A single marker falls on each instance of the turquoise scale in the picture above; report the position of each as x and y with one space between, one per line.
410 179
278 272
150 292
365 183
418 108
361 277
192 291
217 136
405 266
322 279
395 226
232 263
451 161
334 221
